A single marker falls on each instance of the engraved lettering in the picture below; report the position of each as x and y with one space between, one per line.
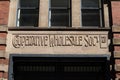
58 40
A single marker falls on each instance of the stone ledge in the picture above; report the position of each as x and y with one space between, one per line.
116 41
2 53
117 75
4 68
116 29
3 79
3 28
117 54
2 40
117 67
117 78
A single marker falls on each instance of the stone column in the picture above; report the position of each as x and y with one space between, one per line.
76 13
106 15
12 13
43 13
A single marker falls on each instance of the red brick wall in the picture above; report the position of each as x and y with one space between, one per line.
116 12
116 23
3 75
4 11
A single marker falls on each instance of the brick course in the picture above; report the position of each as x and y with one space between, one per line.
116 35
1 74
5 75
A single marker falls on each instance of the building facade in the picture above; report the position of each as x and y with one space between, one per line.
59 39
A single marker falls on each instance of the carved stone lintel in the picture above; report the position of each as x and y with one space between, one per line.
58 40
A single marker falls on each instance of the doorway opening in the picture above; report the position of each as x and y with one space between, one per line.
60 68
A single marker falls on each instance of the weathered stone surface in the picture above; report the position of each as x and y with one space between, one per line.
4 68
58 42
3 28
116 29
2 53
116 41
2 41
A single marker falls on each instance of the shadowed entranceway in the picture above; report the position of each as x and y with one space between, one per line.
60 68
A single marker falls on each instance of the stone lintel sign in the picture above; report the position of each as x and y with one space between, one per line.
60 40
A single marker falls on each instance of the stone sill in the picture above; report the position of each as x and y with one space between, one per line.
117 54
116 41
116 29
3 28
2 41
57 29
117 67
2 53
3 68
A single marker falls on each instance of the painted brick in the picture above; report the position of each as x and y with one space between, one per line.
4 11
116 12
